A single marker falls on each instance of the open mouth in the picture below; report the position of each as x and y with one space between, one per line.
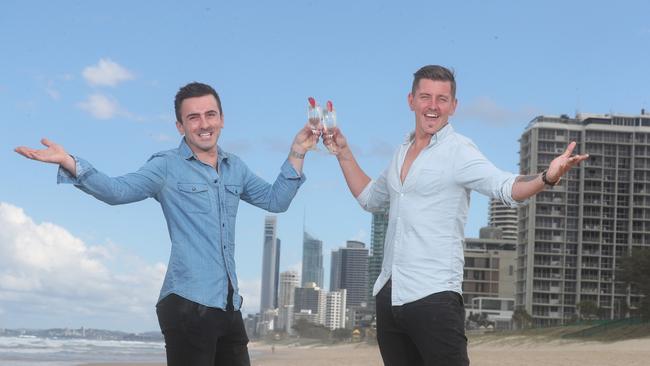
431 115
205 135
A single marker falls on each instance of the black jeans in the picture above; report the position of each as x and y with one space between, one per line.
197 335
429 331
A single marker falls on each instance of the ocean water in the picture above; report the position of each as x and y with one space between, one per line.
19 351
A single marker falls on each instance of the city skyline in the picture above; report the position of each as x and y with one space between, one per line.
99 78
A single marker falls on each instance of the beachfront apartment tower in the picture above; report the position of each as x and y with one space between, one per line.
270 265
503 217
289 281
571 236
335 309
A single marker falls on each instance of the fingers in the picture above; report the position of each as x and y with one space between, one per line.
26 152
569 150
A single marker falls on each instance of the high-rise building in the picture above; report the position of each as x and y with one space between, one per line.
350 272
571 235
335 271
377 238
310 300
489 269
503 217
289 280
270 265
312 260
335 309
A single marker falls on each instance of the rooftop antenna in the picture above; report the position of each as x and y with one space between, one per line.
577 102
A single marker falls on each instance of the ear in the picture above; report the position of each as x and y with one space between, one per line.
180 128
410 100
454 104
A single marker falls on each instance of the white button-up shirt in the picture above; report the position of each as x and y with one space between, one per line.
423 252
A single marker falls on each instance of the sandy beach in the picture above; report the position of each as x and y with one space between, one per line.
508 351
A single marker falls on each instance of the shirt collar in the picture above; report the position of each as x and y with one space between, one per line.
445 131
187 153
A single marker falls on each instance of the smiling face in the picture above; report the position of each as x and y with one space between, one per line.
201 124
432 102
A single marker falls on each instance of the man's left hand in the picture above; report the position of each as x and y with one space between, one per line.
560 165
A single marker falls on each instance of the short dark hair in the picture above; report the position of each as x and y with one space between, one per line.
193 90
436 73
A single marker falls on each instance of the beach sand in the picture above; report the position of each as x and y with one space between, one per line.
510 351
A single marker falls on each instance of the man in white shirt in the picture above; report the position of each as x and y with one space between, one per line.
427 185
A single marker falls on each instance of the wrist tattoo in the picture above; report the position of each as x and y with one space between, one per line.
526 178
295 154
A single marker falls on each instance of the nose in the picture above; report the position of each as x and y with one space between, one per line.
203 122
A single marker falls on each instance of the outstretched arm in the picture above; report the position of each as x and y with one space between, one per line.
528 185
54 153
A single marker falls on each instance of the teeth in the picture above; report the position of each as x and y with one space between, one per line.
205 134
432 115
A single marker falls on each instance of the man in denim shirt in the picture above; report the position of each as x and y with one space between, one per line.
427 185
198 186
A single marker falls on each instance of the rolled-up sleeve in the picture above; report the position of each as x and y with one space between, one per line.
476 172
375 195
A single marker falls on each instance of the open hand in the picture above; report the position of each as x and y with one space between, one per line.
561 164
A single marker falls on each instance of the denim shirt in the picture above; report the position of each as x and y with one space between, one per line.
200 207
423 251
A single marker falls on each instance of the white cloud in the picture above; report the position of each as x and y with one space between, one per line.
100 106
250 290
361 236
296 267
160 137
51 90
484 109
46 270
106 73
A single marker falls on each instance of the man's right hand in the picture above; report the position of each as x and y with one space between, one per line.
339 142
54 153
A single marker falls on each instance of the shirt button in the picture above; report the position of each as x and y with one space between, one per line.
401 194
193 189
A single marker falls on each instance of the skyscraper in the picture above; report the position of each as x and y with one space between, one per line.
270 265
288 282
312 260
350 272
503 217
572 235
377 238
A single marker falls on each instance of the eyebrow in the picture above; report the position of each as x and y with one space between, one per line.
198 114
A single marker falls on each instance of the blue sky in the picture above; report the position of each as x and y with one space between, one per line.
100 77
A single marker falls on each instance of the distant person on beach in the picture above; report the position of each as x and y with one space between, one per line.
198 186
427 185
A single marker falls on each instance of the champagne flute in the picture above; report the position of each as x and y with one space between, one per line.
329 122
314 116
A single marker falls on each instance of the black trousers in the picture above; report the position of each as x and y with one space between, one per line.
429 331
197 335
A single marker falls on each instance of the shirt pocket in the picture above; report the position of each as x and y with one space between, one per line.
430 181
233 192
195 197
